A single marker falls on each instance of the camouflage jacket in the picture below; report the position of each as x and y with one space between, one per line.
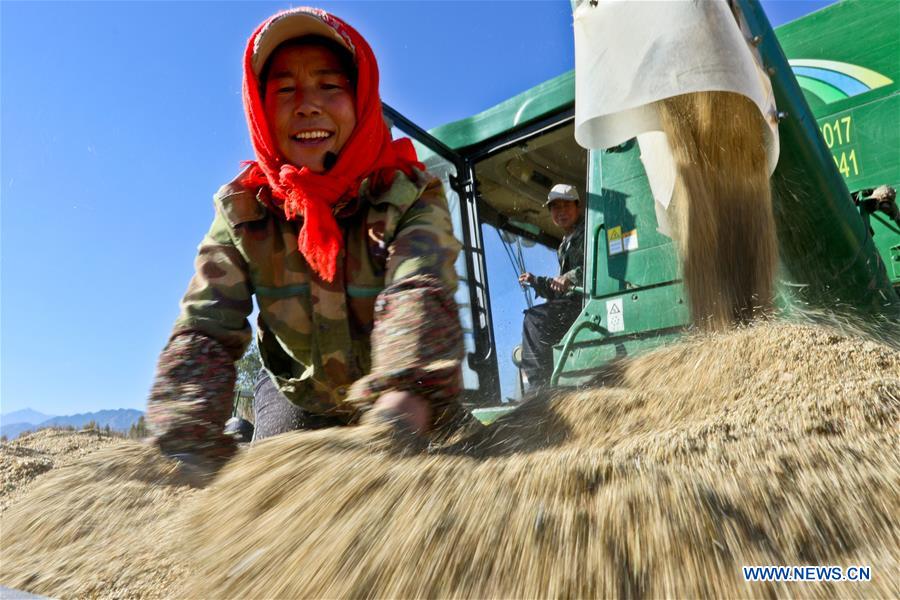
571 263
388 322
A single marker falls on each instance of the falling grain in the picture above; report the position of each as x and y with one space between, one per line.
722 202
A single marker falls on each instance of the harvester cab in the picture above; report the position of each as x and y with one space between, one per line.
838 105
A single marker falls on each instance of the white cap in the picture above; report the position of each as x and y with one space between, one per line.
562 191
290 24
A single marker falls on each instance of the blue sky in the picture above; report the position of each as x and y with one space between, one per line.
121 119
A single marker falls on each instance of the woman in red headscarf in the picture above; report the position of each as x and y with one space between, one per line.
345 242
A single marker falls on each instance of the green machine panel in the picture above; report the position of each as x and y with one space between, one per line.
846 59
636 299
623 227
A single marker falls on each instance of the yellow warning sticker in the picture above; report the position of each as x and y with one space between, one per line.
614 235
621 241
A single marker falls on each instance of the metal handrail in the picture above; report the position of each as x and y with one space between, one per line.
593 323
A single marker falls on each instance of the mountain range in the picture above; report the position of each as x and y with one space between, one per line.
15 423
24 416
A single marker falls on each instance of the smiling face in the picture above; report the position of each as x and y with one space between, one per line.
565 214
309 103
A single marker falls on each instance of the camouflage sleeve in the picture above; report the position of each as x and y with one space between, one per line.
191 397
417 339
575 256
423 243
193 388
541 287
575 276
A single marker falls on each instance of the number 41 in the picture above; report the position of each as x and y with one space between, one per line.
844 163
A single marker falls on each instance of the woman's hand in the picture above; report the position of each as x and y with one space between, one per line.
407 407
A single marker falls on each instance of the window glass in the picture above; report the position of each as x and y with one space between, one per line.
507 255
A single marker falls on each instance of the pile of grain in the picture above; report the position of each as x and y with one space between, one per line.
773 444
106 525
24 459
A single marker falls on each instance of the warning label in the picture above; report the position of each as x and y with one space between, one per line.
621 241
615 318
615 240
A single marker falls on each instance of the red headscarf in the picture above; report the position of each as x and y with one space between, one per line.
303 194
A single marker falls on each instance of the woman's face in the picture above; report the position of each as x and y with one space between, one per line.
309 104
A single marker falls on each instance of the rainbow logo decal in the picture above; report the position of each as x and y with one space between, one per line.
830 80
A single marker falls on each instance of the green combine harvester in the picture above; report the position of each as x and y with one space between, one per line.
835 77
